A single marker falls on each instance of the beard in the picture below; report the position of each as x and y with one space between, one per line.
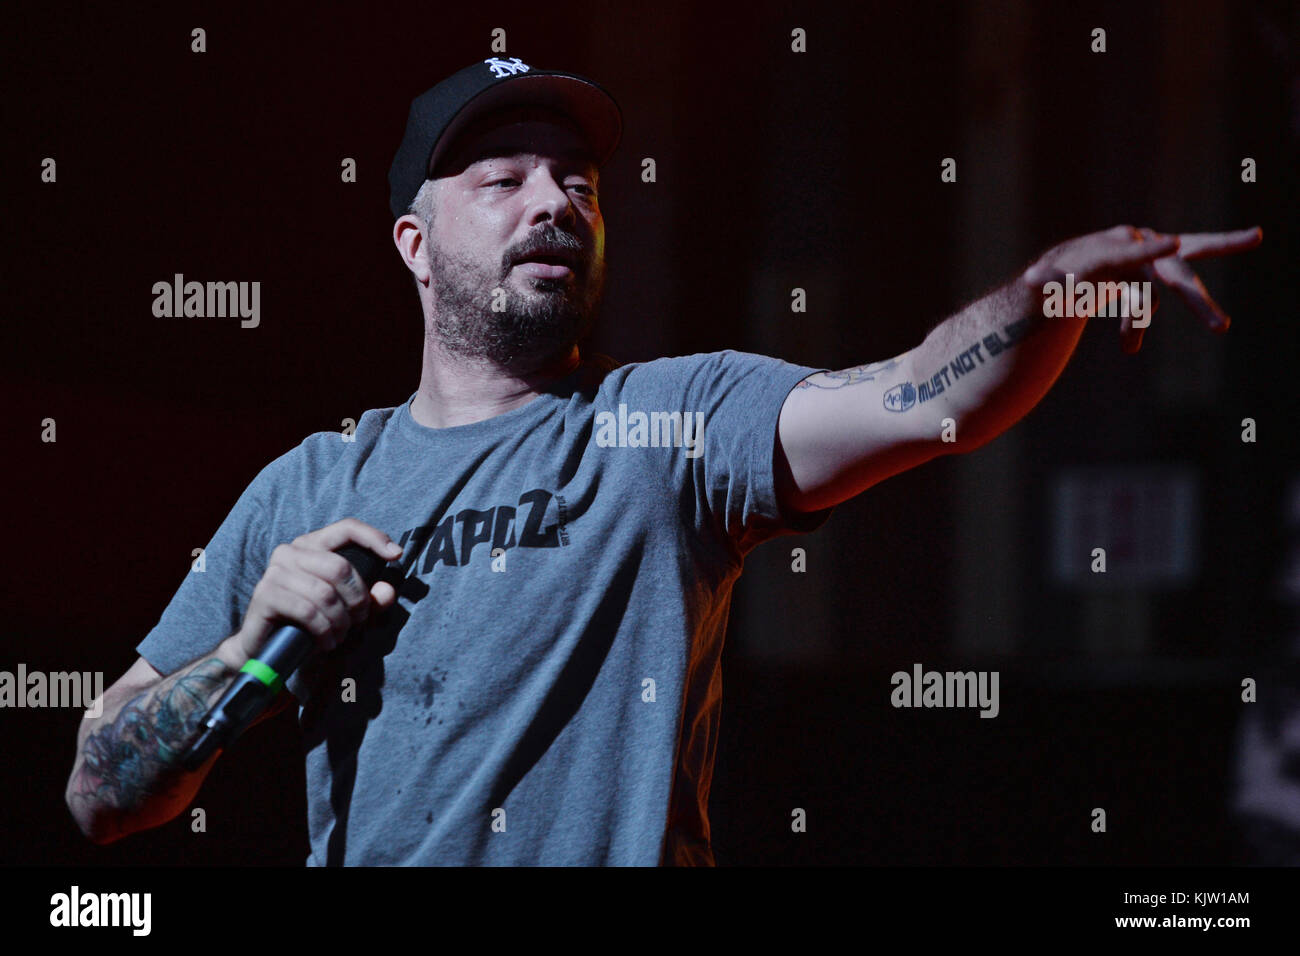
477 315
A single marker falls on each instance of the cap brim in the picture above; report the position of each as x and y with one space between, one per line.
590 107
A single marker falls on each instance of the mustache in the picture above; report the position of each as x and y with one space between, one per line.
551 243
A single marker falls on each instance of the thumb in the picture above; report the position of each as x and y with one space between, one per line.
383 594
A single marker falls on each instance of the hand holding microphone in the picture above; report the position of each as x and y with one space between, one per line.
314 590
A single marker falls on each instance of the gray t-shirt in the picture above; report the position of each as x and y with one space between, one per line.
547 688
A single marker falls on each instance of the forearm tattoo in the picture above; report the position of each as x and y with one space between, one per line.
902 397
133 758
907 395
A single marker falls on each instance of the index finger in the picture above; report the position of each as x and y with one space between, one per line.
353 531
1126 250
1198 245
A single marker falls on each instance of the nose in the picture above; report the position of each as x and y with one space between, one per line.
547 200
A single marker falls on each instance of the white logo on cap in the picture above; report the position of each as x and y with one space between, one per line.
502 68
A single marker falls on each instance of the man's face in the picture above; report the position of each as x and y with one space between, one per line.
517 250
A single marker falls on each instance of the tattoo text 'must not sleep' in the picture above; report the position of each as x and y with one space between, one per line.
905 395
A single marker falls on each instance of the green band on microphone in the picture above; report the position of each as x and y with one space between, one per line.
263 673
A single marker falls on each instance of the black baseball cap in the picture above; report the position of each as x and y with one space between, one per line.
439 114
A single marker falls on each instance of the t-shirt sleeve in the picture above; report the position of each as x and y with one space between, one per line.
210 603
739 396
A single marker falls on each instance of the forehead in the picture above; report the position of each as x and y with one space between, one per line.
530 130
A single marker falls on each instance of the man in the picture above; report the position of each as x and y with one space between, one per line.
538 681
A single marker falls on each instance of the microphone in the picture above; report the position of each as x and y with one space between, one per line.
263 677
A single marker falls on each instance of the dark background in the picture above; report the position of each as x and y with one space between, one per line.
775 170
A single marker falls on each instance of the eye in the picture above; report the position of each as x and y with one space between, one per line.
499 182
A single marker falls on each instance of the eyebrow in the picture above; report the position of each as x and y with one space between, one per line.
576 154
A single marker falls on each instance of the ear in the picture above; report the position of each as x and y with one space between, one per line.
412 246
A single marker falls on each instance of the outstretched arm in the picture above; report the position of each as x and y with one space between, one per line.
980 371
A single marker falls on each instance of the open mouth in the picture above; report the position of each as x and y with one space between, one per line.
547 265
